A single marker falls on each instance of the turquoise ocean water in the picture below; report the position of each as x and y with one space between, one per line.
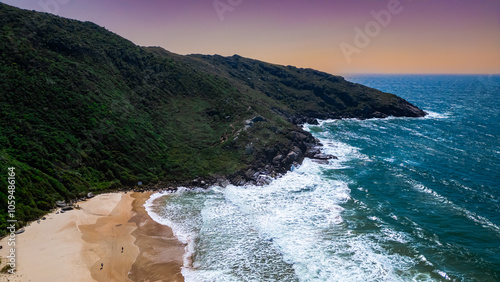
408 198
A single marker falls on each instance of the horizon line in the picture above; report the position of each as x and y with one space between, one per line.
417 73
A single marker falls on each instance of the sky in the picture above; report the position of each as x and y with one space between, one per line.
336 36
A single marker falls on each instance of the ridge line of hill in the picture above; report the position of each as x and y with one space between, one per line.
85 110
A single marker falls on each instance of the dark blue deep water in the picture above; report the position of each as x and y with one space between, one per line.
408 198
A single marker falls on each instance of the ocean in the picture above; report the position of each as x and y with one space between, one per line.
408 199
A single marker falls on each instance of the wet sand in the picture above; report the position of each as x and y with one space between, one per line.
161 255
72 246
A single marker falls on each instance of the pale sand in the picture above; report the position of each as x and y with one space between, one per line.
72 246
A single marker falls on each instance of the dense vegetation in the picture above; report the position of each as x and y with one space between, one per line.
82 109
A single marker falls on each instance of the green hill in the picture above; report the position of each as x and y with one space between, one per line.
83 109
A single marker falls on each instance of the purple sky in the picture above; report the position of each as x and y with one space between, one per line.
340 36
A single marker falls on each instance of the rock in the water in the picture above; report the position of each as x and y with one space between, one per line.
324 157
264 180
311 152
318 161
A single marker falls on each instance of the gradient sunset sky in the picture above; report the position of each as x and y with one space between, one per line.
438 36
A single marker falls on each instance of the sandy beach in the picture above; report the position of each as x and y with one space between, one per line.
110 238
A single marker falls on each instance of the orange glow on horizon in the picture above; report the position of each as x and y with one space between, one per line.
439 36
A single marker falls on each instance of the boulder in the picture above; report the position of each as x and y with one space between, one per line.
311 152
60 204
277 159
294 154
258 118
298 136
322 156
90 195
19 231
249 174
264 180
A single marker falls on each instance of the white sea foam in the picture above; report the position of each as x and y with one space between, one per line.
292 229
185 234
341 150
301 213
443 274
298 221
436 115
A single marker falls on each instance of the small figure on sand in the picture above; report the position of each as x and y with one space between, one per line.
122 249
102 265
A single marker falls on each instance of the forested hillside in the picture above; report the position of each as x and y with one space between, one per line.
83 109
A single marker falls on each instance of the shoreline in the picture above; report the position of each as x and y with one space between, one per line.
71 246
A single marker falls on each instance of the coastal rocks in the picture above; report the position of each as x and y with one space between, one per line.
318 161
90 195
61 204
311 152
263 180
317 156
277 159
197 182
294 156
303 120
322 156
303 138
272 161
251 174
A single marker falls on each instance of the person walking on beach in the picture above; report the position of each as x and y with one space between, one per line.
102 265
122 249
